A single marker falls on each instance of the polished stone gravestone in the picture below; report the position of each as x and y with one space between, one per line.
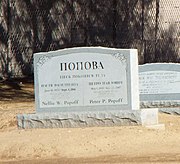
87 86
159 85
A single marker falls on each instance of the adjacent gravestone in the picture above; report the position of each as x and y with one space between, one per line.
160 86
91 86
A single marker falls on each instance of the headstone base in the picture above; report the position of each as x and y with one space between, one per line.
88 119
174 111
160 104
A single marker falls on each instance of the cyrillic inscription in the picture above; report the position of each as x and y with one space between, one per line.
81 66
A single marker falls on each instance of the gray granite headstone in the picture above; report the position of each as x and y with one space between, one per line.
86 86
159 85
86 79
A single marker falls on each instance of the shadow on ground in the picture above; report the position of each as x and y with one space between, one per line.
159 158
17 90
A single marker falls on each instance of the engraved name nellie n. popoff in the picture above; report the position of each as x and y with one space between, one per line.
81 65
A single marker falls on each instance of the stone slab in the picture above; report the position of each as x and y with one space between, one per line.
88 119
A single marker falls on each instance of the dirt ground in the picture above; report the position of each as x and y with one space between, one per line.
132 144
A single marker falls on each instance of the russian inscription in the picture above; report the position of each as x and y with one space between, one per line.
81 66
159 82
86 82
